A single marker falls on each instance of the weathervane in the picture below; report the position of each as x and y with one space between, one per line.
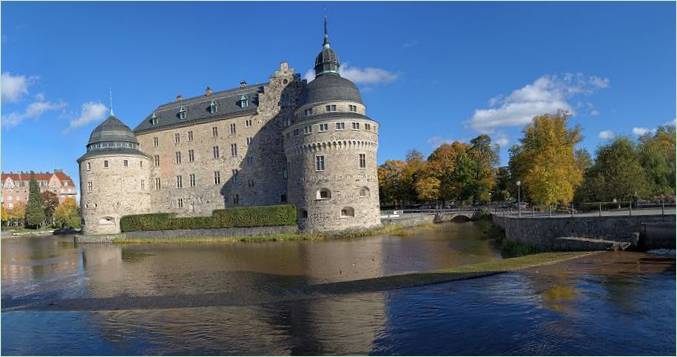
110 95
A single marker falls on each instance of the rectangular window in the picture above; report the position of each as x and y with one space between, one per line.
156 142
140 163
215 131
296 132
235 172
308 111
191 155
217 177
177 138
89 166
340 126
157 184
105 163
236 199
330 108
250 183
319 163
178 157
249 140
233 130
125 163
248 123
179 202
179 181
308 129
324 127
89 186
215 150
233 150
250 160
363 161
283 198
367 126
353 108
190 136
156 158
356 126
191 179
143 184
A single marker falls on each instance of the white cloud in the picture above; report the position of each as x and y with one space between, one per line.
501 140
641 131
33 111
436 141
14 87
89 112
546 95
366 75
606 135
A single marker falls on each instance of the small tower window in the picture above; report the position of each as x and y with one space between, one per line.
363 161
89 186
323 194
89 166
324 127
353 108
331 108
105 163
156 142
319 163
125 163
364 192
244 102
213 107
182 112
347 212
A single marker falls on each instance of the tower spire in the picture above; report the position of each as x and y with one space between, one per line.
110 97
326 34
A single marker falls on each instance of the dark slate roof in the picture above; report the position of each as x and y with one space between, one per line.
112 129
111 151
197 108
330 87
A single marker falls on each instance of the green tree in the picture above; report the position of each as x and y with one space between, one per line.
35 215
545 161
66 215
50 203
657 157
442 165
502 189
616 174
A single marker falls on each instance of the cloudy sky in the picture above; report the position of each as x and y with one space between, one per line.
430 73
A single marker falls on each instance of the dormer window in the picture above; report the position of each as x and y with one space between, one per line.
212 107
182 112
244 102
153 119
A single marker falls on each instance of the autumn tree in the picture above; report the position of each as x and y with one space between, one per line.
5 215
428 189
50 201
35 215
17 215
484 156
391 182
545 162
442 166
66 214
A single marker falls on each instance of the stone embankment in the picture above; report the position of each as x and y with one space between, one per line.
182 234
590 233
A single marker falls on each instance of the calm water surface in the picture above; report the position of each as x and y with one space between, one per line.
247 301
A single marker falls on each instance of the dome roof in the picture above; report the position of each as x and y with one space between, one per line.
112 130
331 87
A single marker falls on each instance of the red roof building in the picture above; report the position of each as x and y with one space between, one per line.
15 186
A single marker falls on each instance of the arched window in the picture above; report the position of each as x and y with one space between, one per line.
347 212
364 192
323 194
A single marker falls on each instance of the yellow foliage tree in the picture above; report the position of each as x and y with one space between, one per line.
545 160
4 214
427 189
66 214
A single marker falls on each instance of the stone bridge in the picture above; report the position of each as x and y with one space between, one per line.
411 217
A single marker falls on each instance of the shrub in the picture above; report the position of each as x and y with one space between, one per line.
255 216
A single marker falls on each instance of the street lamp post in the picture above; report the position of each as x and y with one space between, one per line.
519 198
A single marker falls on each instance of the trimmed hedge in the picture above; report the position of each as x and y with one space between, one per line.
254 216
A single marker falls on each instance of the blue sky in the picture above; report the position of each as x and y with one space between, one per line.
429 72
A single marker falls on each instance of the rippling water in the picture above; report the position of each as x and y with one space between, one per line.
621 309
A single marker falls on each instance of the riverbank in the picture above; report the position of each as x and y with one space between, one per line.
391 229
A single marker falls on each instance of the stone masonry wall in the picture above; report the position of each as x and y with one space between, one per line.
255 176
116 191
541 232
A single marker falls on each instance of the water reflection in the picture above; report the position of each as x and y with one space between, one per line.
550 310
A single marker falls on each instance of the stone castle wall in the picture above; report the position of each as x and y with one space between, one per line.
255 176
116 191
352 201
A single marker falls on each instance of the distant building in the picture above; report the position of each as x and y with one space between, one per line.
286 140
15 186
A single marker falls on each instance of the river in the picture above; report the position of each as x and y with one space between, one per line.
238 298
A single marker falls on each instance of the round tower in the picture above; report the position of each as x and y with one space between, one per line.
331 153
114 178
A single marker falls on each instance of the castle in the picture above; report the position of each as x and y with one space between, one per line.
284 141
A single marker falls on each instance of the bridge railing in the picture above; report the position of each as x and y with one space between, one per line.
591 209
